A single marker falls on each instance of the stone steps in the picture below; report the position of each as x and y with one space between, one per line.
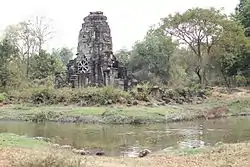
73 77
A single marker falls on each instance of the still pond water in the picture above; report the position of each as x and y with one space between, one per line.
115 139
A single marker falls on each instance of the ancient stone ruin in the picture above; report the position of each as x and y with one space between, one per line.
95 64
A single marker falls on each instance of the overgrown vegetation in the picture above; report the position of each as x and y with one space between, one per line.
2 97
89 96
105 96
215 53
147 114
180 59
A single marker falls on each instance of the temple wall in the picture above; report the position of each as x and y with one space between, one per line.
95 64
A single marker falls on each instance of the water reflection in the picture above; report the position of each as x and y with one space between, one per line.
114 139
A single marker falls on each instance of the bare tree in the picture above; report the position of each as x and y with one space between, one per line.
29 36
43 31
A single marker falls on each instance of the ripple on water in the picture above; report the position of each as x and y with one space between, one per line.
191 144
131 151
215 130
130 139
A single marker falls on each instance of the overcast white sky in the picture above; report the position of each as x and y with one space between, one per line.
129 19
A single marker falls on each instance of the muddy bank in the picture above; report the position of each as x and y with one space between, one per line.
165 106
225 155
138 114
114 117
111 106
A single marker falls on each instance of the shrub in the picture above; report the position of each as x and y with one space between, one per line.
88 96
42 95
2 97
141 92
41 116
100 95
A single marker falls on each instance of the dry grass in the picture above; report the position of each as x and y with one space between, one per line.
236 93
235 155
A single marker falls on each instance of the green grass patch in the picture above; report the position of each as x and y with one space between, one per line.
87 111
191 151
239 105
13 140
119 114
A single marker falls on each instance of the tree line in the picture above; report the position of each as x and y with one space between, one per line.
23 57
198 47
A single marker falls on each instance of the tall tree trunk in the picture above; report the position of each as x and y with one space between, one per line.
203 78
40 46
28 63
197 72
227 82
202 72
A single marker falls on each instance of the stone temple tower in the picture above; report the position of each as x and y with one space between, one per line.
95 64
95 60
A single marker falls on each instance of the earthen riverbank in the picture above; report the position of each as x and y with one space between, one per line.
20 151
218 104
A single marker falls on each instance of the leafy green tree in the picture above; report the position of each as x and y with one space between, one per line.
243 14
7 54
183 64
123 56
242 63
64 54
152 55
232 56
22 36
202 30
44 65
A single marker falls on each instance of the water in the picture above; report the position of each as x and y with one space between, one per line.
115 139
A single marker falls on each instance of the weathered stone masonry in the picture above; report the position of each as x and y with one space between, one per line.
95 64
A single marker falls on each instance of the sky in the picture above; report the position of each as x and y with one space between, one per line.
129 20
